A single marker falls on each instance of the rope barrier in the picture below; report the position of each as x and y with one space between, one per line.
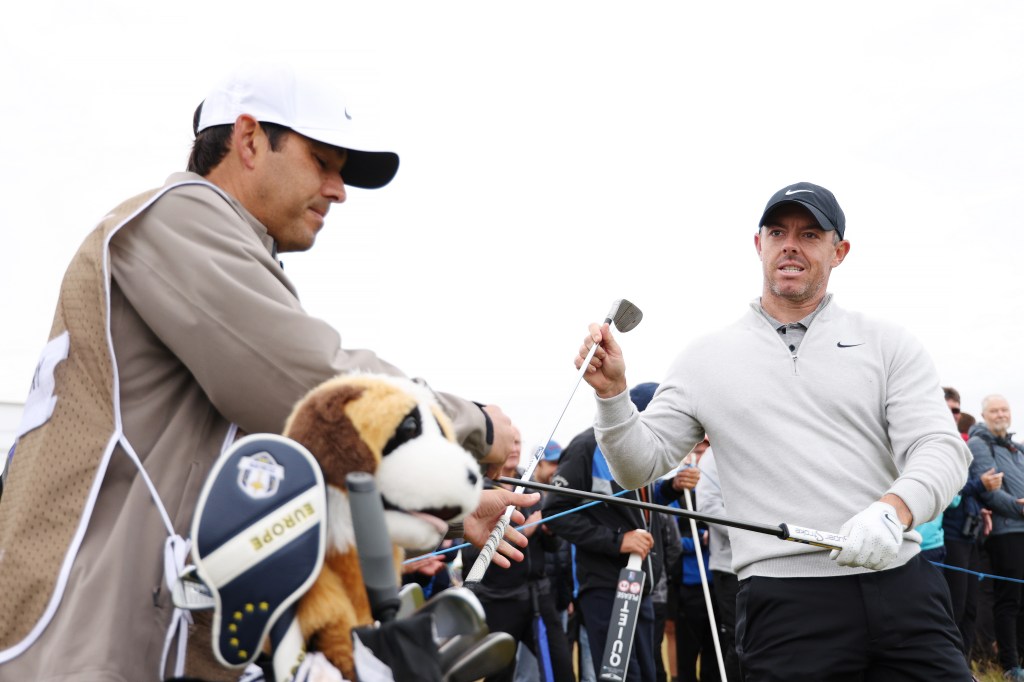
981 576
519 528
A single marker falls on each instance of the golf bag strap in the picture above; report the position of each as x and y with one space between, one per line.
176 551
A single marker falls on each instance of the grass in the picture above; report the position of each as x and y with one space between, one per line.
988 674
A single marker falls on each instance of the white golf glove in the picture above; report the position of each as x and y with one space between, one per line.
873 538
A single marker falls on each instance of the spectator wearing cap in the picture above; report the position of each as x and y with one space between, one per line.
548 464
604 536
519 599
557 568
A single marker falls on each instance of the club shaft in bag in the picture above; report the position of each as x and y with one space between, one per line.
625 316
783 531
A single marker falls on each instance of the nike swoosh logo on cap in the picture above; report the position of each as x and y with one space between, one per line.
840 344
797 191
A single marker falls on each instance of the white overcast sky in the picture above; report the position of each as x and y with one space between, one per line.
557 156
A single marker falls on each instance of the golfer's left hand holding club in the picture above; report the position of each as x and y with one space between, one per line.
873 537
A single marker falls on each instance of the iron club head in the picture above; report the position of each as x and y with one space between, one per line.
487 657
625 315
457 611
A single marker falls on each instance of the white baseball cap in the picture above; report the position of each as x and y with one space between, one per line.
275 93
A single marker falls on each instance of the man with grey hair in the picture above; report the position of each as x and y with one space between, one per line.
992 446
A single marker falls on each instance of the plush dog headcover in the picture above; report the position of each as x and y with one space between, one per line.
394 429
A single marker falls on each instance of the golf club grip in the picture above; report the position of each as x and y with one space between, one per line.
809 536
476 573
483 560
373 544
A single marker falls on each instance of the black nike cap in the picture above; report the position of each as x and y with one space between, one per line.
819 201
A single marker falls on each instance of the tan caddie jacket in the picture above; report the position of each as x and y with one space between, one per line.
177 322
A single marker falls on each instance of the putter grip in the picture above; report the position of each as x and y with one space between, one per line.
476 573
374 545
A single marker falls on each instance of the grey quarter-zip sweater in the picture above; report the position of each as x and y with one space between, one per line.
809 438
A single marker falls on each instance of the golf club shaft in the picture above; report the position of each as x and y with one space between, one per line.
703 571
784 531
483 560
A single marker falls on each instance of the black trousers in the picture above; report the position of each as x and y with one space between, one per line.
963 588
660 616
694 638
1007 554
726 587
516 618
885 626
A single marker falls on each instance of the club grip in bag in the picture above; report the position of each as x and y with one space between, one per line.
373 545
618 646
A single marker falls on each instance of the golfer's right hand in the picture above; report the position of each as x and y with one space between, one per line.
638 541
607 370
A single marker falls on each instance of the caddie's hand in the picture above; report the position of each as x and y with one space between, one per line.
873 538
477 527
607 370
639 541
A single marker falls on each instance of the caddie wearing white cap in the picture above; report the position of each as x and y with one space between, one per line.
176 330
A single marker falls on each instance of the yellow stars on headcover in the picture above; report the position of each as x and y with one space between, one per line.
238 617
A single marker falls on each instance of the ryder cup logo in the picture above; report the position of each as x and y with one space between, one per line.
259 475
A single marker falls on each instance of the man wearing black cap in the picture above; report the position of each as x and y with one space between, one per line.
820 417
176 329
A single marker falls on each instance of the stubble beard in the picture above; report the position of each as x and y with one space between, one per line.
801 295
